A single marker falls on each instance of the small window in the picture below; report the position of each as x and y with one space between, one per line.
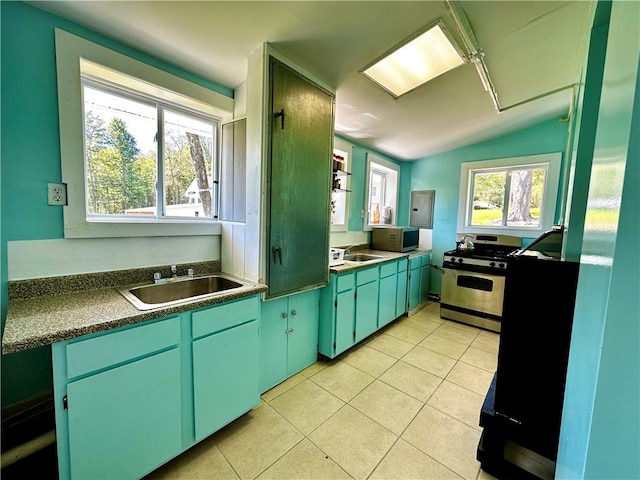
382 191
145 159
515 195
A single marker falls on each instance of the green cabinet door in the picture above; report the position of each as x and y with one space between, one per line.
288 337
401 293
273 342
299 183
225 377
414 288
366 310
387 300
425 272
344 318
126 421
303 331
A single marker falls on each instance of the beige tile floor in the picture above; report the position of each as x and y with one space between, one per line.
403 404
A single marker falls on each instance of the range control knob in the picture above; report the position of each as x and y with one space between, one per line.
460 260
492 264
501 265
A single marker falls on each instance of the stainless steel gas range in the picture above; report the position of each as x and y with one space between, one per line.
474 279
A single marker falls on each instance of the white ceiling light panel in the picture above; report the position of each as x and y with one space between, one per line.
415 62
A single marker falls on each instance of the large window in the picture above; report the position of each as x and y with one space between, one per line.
144 158
513 194
138 145
382 192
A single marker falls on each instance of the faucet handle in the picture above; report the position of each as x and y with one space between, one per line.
190 272
156 276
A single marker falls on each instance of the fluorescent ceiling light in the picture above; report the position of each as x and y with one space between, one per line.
423 58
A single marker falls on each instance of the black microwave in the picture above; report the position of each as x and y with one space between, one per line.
395 239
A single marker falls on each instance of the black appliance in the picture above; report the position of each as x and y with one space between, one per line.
523 413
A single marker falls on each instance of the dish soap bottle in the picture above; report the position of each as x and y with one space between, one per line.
376 214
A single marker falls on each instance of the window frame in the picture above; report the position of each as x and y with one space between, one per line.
391 172
72 55
552 162
341 146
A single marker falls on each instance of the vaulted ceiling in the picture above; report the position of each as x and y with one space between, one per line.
531 48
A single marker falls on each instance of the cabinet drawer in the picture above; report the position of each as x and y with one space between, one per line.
86 356
224 316
366 276
402 265
426 260
346 282
388 269
415 262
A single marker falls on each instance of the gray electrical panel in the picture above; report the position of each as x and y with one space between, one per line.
422 208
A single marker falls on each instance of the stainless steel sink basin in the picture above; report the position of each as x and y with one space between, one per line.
361 257
172 292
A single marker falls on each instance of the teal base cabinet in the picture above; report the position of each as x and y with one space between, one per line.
387 300
425 273
225 364
130 399
419 271
357 303
136 408
367 289
288 336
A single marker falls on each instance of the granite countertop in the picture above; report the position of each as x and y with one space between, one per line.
45 319
388 256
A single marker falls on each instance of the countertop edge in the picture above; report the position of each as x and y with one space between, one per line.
389 257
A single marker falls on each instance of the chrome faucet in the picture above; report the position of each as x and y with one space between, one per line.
347 250
157 276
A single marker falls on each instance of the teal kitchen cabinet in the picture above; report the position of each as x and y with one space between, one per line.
425 273
387 300
337 314
419 269
367 289
415 274
122 405
401 292
288 336
130 399
357 303
225 364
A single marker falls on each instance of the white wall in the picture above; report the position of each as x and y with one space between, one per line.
51 258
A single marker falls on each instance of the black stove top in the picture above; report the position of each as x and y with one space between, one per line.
492 253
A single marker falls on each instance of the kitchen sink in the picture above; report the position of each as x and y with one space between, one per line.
361 257
175 291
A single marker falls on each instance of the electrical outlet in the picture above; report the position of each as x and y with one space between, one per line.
57 193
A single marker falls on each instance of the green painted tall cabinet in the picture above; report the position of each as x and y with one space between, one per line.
299 182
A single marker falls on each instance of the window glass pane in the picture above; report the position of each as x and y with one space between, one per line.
525 197
188 166
120 154
376 196
488 198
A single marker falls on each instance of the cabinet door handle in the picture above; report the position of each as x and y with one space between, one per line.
288 330
277 254
284 315
294 313
280 115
